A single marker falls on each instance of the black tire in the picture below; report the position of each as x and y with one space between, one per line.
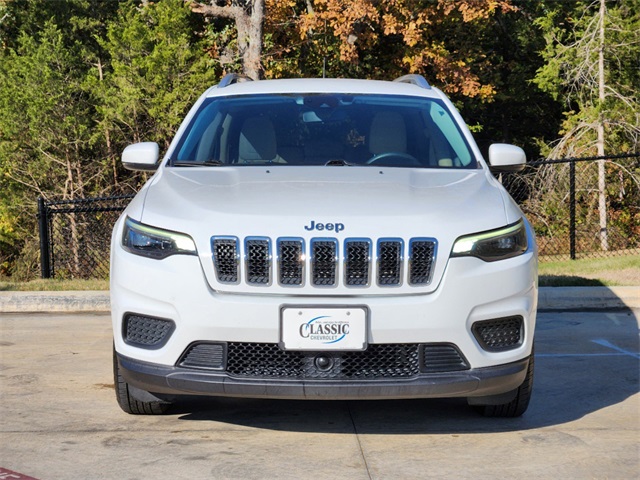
518 405
128 402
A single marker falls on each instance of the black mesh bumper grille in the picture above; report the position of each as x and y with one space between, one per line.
499 334
378 362
146 332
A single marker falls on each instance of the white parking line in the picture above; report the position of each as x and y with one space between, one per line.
606 343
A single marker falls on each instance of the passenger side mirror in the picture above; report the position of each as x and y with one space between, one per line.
506 158
141 157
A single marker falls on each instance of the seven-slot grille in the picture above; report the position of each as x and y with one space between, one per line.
363 262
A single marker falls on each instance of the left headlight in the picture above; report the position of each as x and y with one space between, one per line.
153 242
499 244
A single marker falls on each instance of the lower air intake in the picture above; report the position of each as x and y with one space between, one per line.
146 332
499 334
377 362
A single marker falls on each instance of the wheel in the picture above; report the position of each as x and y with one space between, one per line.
128 402
398 158
518 405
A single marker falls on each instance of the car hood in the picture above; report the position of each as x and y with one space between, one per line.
366 202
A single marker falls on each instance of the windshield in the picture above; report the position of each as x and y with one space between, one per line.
324 129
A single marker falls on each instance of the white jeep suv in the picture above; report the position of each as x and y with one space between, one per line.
323 239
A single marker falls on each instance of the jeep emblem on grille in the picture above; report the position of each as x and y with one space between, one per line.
332 227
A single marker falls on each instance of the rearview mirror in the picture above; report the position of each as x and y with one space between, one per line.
506 158
141 156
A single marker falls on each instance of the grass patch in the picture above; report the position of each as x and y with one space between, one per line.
588 272
53 285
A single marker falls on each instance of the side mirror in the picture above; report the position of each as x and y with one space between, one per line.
141 156
506 158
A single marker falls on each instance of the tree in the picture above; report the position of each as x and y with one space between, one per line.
590 56
156 68
248 16
79 80
383 40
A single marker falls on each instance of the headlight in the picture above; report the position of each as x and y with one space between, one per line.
152 242
506 242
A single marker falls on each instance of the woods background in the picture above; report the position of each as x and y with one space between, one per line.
81 79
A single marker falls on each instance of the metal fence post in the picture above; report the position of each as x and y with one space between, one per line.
43 227
572 209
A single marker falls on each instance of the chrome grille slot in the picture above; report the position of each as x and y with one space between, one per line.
357 262
390 257
422 253
258 260
324 262
226 259
291 262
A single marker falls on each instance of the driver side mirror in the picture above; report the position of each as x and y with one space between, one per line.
141 157
506 158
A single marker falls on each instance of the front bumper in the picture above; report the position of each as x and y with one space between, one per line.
478 382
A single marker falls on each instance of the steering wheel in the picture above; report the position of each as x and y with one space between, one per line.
397 156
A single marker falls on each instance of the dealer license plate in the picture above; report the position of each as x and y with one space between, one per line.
323 328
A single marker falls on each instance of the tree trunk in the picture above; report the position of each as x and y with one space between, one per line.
602 198
253 53
249 27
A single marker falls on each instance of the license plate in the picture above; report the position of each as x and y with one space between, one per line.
323 328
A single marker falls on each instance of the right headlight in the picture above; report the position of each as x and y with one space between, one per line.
499 244
153 242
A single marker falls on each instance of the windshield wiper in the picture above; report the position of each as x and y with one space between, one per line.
338 162
206 163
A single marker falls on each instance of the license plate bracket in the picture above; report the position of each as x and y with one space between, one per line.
324 328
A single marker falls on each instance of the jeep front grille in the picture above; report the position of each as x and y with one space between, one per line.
360 262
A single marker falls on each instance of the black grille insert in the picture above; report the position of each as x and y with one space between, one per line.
324 255
422 253
225 259
439 358
146 332
499 334
291 262
389 262
258 261
357 261
209 356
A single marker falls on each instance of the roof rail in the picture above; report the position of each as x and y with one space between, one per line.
414 79
231 78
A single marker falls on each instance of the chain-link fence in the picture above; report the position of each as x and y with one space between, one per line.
561 198
581 207
75 235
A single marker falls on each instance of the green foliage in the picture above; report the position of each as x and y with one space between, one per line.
79 80
157 70
570 73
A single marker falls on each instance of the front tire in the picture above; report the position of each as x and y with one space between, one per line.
128 402
518 405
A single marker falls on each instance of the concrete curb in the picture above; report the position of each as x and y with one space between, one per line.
588 298
550 298
54 302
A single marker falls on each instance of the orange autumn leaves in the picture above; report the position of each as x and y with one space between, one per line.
407 30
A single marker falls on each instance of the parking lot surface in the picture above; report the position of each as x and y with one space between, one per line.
59 418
